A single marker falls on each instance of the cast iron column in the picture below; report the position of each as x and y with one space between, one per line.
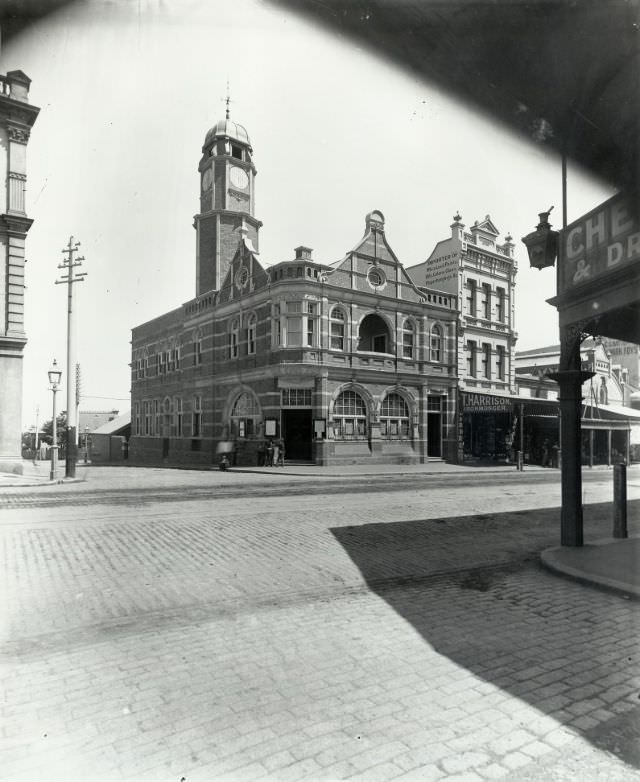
570 379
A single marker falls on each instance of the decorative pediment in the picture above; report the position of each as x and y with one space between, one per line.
486 226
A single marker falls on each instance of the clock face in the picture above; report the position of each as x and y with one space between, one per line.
239 178
206 179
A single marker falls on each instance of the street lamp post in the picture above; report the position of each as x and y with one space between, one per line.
54 379
86 444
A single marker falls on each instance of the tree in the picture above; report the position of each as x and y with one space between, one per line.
46 433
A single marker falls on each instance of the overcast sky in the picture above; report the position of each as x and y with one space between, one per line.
127 92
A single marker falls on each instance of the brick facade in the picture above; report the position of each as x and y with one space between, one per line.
346 362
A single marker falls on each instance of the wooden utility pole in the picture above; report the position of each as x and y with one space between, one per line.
69 264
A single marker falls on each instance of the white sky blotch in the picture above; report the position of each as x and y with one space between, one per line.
127 93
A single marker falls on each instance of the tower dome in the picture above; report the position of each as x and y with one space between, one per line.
227 128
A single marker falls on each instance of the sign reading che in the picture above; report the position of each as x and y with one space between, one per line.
599 243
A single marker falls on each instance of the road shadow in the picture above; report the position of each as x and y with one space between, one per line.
473 588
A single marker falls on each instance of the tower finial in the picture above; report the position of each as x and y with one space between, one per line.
228 101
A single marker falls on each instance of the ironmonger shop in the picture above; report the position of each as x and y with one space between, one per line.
485 426
494 428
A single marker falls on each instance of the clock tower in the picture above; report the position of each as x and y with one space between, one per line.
227 177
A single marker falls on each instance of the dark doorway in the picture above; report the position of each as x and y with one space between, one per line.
297 433
434 434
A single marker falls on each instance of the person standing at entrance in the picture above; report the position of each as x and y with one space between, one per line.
280 456
269 454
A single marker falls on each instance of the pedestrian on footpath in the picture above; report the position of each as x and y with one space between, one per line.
280 457
269 454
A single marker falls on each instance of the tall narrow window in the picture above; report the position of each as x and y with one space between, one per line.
233 338
435 346
146 415
156 418
471 298
136 418
486 301
471 358
408 339
337 329
177 416
500 362
251 334
177 353
311 323
500 305
196 417
486 360
197 348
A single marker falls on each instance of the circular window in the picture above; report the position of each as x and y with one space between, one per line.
242 277
376 277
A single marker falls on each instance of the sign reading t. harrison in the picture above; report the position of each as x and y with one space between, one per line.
599 243
485 403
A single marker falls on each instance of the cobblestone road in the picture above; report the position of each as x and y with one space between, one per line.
332 636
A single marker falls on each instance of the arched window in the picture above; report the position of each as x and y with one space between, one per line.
350 416
408 339
435 344
251 333
245 415
234 329
337 329
394 417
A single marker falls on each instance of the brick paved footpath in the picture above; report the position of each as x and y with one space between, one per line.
211 641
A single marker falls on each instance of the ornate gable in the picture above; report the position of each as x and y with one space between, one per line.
245 274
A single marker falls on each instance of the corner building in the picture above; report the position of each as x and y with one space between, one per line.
347 362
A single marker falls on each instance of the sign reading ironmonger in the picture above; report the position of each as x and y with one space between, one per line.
599 243
484 403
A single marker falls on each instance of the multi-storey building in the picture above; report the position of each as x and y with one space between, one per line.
16 120
346 361
473 266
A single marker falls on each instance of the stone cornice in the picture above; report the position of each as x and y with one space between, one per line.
17 112
16 225
12 346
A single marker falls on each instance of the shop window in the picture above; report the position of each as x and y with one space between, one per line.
394 417
349 416
435 343
337 326
408 339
